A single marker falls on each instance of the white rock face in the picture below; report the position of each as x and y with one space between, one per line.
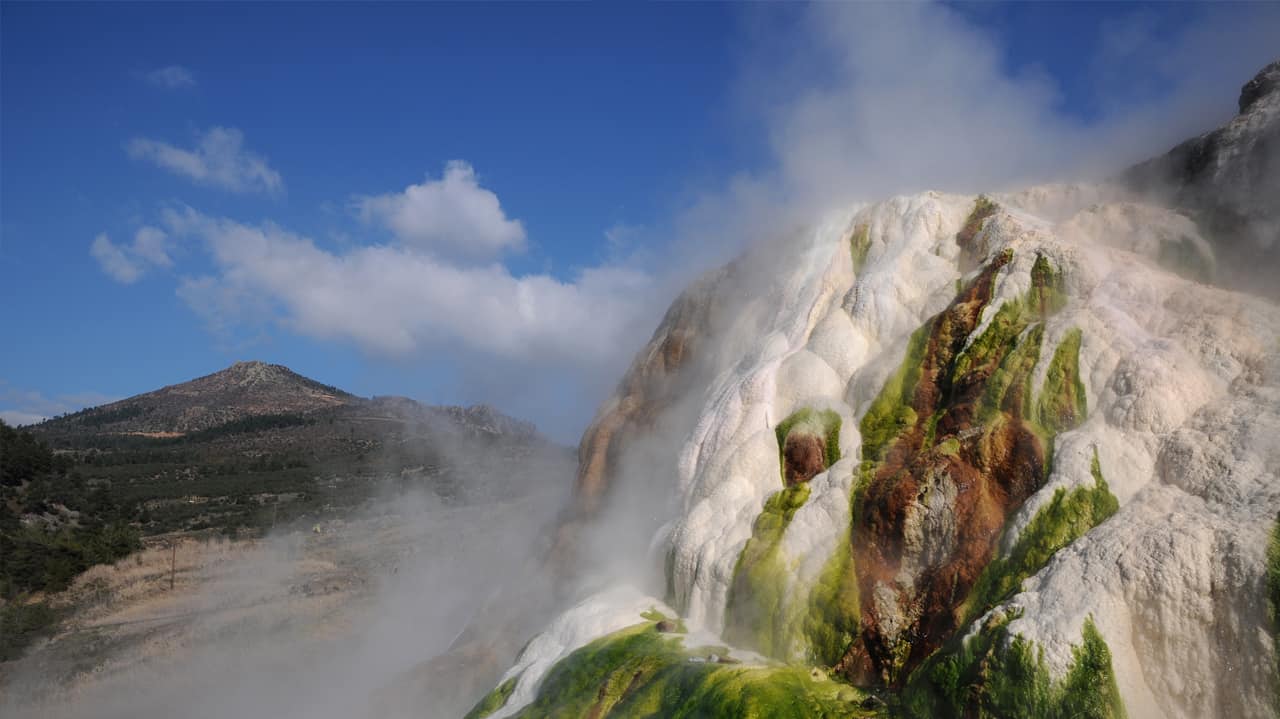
1183 389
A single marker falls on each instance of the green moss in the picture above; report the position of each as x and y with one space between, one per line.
822 423
1063 404
1011 378
967 237
994 674
494 700
638 672
834 611
1090 687
1013 339
983 208
1046 296
1048 290
655 616
756 614
1062 521
890 414
1000 333
859 246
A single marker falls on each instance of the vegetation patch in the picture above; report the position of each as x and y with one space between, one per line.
1048 289
983 208
21 624
1062 521
245 425
759 613
994 674
33 559
756 613
77 525
859 246
676 624
639 672
1007 388
890 414
494 700
834 609
1062 404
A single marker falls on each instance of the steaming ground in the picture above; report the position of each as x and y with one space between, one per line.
302 624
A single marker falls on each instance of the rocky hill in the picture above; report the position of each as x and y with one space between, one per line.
258 445
1006 456
247 390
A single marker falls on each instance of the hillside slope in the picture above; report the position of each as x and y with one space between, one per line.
240 451
258 443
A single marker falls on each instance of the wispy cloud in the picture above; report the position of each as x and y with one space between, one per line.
866 100
127 264
217 160
22 406
173 77
114 260
450 217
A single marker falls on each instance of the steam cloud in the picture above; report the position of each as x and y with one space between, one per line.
858 101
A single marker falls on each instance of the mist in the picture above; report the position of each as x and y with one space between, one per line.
321 619
851 102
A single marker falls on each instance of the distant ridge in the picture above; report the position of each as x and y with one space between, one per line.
258 389
257 444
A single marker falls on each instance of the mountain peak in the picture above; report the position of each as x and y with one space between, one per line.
1263 84
244 389
256 371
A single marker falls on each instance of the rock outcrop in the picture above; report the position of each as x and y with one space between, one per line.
657 376
1228 180
1004 455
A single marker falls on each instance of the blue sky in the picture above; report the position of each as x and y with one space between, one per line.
494 203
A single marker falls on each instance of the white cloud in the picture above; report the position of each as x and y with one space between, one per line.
397 300
450 217
20 406
218 160
128 263
151 244
114 260
621 237
173 77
